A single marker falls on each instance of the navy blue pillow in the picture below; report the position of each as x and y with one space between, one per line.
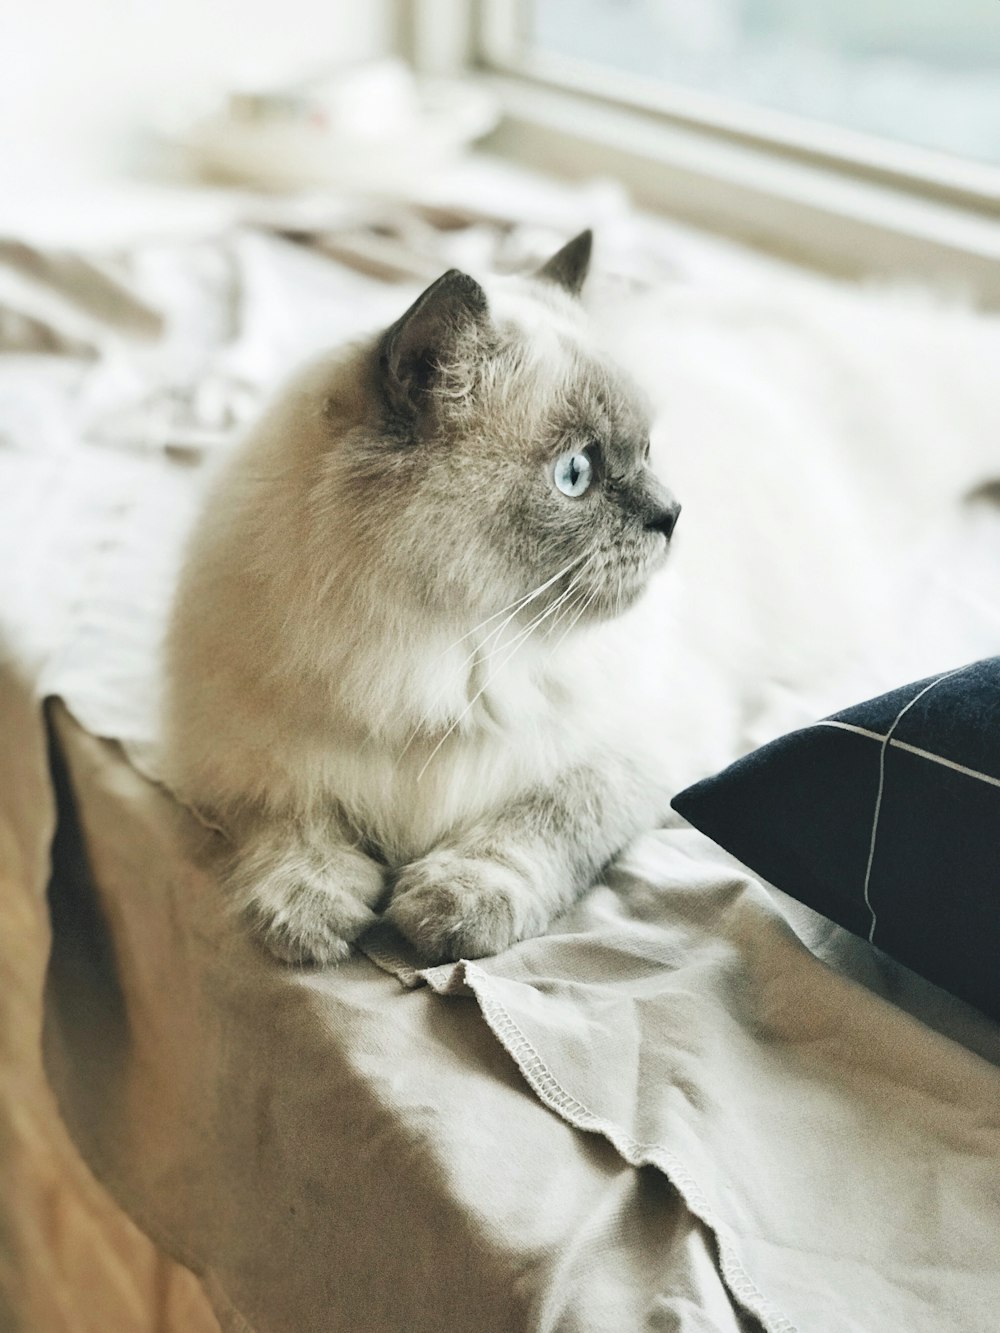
885 818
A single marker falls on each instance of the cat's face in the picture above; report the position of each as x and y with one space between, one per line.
513 458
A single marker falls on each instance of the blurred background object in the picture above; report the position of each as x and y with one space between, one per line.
81 85
373 127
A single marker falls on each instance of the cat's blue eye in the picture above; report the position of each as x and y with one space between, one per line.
573 474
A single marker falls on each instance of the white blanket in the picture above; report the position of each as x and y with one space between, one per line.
334 1151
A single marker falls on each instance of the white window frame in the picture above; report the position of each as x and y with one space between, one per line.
835 199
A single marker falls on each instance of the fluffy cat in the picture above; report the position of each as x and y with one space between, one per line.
412 665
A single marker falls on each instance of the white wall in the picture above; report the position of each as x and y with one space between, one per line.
81 79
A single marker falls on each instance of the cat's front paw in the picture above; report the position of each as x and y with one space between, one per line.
310 910
453 906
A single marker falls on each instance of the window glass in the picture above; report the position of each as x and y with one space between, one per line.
923 71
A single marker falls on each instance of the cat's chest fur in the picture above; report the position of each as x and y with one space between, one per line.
405 789
434 760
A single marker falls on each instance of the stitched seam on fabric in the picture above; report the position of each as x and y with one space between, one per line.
554 1095
881 791
912 749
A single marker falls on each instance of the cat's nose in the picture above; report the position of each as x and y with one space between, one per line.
664 519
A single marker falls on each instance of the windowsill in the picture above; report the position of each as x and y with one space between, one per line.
932 172
802 210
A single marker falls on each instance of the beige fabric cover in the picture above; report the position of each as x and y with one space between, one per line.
335 1150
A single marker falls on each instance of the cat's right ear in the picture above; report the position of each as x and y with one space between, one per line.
569 266
440 331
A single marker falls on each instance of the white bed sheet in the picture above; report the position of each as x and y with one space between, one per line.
673 1115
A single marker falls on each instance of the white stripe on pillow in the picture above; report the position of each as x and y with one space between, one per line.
911 749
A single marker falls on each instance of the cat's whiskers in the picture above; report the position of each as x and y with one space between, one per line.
513 609
580 596
619 590
531 626
513 647
518 604
582 608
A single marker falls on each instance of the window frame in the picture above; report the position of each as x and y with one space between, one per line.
832 198
499 48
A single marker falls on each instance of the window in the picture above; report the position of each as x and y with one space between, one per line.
858 136
925 72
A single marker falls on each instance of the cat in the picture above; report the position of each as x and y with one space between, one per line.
414 662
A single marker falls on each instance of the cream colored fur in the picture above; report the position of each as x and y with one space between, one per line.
321 711
309 699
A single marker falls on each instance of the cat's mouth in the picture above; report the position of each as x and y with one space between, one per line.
611 583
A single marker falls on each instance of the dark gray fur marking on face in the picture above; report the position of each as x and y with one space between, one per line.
469 518
426 338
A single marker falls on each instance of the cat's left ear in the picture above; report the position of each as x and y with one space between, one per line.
440 331
569 266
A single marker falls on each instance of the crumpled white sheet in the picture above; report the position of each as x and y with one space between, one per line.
843 1155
